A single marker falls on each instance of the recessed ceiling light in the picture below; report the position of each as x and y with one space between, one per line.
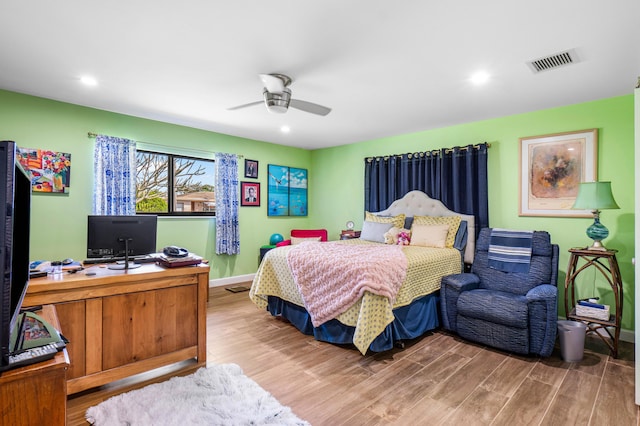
88 81
480 77
285 129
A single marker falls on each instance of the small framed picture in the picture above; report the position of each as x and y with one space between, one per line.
251 169
250 194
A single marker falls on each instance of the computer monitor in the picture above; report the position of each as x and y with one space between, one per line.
121 236
15 211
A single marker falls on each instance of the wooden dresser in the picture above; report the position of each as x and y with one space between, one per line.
121 323
36 394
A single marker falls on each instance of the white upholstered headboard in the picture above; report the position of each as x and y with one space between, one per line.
417 203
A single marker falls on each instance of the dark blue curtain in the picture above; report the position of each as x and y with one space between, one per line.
456 176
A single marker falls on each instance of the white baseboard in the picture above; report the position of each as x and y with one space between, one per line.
219 282
625 335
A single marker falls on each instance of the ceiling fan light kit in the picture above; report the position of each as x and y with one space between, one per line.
277 97
277 102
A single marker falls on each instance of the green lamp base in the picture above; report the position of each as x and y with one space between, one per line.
597 232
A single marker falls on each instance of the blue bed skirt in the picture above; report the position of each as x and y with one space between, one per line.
411 321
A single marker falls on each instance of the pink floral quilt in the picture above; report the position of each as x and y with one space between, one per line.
328 291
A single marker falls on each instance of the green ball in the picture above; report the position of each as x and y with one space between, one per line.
275 239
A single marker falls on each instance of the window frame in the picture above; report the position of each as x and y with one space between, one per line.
170 186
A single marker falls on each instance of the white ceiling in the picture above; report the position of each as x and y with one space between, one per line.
385 68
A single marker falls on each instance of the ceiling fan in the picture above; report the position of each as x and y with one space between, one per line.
277 97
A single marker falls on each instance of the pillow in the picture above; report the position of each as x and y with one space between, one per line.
408 221
374 231
397 221
298 240
429 235
452 221
461 236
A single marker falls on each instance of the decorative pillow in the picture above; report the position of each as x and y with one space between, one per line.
298 240
452 221
391 236
429 235
397 221
374 231
408 221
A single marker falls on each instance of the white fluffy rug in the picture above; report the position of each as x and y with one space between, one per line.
216 395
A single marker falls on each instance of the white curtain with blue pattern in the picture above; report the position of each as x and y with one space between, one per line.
115 176
227 231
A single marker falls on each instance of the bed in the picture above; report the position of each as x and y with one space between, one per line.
403 304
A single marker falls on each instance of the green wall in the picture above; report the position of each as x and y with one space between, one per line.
340 195
335 179
59 221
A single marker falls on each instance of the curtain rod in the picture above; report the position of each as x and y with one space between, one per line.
92 135
433 151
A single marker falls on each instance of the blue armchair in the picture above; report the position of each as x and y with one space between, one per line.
511 311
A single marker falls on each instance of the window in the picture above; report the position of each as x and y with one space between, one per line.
173 185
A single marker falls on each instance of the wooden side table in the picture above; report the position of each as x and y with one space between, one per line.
604 261
263 251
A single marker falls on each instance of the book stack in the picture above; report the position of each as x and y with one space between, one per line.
592 309
174 262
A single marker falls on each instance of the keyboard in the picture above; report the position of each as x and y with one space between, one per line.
135 259
33 355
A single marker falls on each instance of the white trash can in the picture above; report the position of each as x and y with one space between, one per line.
572 334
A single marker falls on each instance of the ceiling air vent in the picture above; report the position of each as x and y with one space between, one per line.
554 61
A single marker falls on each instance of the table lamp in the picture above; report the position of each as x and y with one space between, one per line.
595 196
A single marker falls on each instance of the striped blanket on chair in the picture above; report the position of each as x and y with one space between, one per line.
509 250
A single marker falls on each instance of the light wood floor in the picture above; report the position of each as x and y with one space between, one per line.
436 379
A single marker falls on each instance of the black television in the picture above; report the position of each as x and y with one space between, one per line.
15 211
121 236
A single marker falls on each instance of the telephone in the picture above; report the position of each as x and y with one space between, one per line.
175 251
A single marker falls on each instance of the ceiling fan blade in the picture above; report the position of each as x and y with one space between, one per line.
309 107
275 83
245 105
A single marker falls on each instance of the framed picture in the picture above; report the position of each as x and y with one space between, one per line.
250 194
287 191
50 171
551 169
297 192
251 169
278 191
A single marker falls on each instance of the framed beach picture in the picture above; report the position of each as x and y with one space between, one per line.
278 191
551 169
297 192
287 191
250 194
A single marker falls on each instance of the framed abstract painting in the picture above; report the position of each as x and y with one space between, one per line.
50 171
551 169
